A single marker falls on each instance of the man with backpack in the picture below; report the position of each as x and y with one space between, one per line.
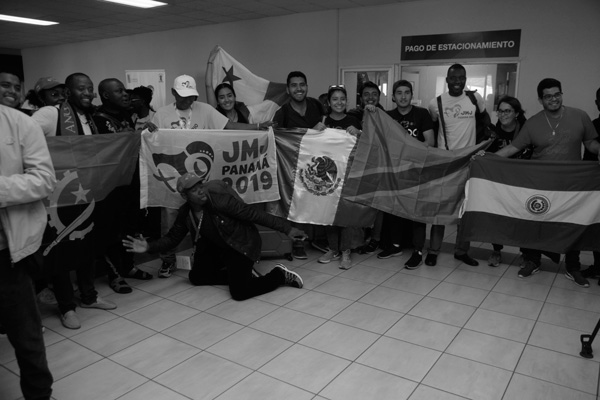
456 116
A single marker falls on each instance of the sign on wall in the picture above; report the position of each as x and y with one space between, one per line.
490 44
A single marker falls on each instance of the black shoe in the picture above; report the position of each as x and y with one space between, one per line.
576 277
431 259
591 272
370 247
391 251
467 259
298 251
414 261
291 278
529 268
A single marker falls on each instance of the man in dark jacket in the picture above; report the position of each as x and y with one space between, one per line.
226 241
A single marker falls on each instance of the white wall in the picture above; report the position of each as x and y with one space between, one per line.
559 39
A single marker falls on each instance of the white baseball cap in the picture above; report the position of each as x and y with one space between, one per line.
185 86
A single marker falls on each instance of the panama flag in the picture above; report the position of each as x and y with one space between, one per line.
395 173
312 171
544 205
263 98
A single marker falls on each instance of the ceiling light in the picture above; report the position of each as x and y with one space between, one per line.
139 3
22 20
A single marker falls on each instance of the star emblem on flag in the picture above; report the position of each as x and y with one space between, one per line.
229 76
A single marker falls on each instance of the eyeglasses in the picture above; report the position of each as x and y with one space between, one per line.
337 87
548 97
504 112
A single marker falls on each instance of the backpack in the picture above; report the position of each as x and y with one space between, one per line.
483 122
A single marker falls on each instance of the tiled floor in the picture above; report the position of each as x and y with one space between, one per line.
376 331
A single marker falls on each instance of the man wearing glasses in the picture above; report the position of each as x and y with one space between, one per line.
555 133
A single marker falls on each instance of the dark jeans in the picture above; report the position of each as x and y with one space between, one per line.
396 231
216 266
20 318
65 257
437 236
571 258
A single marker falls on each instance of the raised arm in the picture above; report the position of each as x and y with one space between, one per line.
208 77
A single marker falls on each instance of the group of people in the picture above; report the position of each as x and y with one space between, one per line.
222 227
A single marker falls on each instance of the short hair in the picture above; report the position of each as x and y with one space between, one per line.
145 94
402 82
516 105
547 83
103 83
71 78
456 66
334 89
295 74
369 84
224 85
12 72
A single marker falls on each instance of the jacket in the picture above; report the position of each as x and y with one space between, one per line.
234 220
26 177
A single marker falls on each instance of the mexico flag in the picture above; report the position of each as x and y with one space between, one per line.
263 98
312 170
395 173
545 205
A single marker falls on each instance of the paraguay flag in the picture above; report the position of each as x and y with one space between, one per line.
397 174
545 205
263 98
312 171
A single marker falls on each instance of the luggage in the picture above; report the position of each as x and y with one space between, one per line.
274 243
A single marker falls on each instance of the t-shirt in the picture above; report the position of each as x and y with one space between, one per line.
574 128
343 123
416 121
287 117
47 118
459 118
140 122
198 116
588 155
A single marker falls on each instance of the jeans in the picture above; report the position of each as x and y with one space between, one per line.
217 266
571 259
435 242
20 318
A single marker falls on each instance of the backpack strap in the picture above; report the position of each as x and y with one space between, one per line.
441 114
471 95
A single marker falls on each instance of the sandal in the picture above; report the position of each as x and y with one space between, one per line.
136 273
120 286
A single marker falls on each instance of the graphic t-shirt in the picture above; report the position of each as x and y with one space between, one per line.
198 116
459 118
343 123
416 121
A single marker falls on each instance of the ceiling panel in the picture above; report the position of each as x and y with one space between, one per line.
93 19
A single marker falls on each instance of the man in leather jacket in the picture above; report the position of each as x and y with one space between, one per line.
226 241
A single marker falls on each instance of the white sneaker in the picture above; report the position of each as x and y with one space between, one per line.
70 320
329 257
100 304
346 262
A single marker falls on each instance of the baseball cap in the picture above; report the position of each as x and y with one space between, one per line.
185 86
46 83
188 180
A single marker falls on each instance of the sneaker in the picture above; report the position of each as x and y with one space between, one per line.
431 259
291 278
323 247
329 257
46 296
467 259
298 251
576 277
346 262
529 268
100 304
592 271
370 247
495 259
166 269
70 320
392 251
414 261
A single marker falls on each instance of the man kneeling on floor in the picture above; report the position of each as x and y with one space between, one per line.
226 241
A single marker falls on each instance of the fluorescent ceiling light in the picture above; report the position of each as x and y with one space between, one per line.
22 20
139 3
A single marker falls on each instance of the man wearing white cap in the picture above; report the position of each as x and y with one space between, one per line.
187 113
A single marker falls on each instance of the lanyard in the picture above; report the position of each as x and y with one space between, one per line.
193 217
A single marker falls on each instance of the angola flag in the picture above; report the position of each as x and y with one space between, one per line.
262 97
397 174
544 205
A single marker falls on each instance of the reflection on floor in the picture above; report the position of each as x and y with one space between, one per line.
376 331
